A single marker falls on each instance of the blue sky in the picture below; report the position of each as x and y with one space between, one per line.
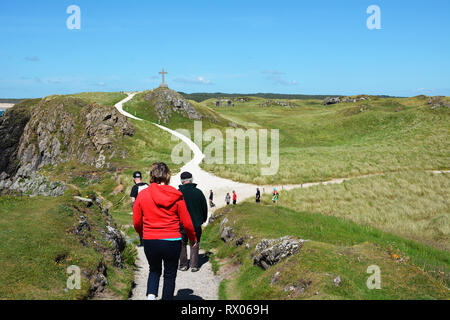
245 46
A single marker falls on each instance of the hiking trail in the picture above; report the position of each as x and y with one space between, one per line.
203 285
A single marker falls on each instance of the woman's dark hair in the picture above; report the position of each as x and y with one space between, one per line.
160 173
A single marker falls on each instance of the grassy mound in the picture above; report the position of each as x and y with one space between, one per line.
37 232
337 248
319 142
39 245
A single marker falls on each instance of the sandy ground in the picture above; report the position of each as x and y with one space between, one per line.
4 106
203 285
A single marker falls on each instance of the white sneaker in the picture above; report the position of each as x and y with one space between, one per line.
151 297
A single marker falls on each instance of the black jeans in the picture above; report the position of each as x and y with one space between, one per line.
194 251
158 251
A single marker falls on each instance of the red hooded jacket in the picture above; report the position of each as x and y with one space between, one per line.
158 211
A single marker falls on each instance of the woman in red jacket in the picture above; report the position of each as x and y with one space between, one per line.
157 214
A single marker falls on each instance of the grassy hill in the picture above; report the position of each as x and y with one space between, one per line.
37 233
320 142
336 247
397 220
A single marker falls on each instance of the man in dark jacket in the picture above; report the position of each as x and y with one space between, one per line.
198 210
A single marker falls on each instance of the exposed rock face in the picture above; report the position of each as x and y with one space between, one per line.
118 243
166 102
329 101
57 129
436 102
334 100
12 125
30 183
270 252
72 130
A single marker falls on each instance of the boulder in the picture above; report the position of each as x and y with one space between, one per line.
227 234
330 100
269 252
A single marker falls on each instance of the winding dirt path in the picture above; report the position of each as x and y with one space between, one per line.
203 285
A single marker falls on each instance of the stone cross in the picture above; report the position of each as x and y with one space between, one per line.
163 84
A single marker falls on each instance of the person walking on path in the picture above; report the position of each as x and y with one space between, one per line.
139 185
275 195
258 195
211 198
157 214
234 197
198 210
228 198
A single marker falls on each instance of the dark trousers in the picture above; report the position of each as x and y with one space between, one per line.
158 251
194 251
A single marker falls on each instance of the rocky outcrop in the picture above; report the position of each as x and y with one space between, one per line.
270 252
276 103
118 242
335 100
226 232
95 228
57 129
167 102
12 125
30 183
72 130
437 102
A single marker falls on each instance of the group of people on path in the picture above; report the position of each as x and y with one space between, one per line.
275 195
228 198
166 219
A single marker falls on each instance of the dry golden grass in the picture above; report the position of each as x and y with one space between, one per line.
410 204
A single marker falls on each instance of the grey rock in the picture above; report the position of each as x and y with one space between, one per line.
269 252
54 130
83 226
288 288
240 241
222 225
337 281
227 234
167 102
330 100
118 243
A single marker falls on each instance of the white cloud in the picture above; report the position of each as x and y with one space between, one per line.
193 80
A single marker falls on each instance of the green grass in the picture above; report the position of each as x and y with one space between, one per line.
410 204
322 142
34 232
337 247
103 98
